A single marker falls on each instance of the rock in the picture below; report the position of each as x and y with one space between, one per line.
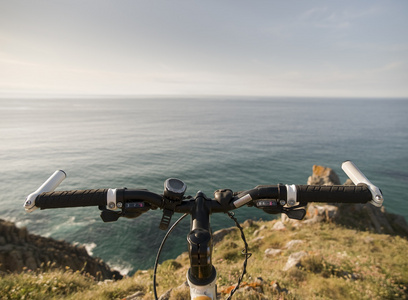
181 292
257 239
323 176
318 213
30 261
270 252
348 182
15 260
294 260
285 218
252 290
400 223
220 234
361 216
259 281
136 296
369 217
166 295
21 250
293 243
256 232
251 293
279 226
276 287
248 223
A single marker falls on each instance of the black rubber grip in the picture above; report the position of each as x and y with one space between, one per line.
333 193
71 199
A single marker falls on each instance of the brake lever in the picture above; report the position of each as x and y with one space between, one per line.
297 214
109 215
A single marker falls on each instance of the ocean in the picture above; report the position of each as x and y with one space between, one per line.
209 143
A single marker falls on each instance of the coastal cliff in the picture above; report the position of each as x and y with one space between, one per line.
20 250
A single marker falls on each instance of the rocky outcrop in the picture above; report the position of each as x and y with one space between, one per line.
323 176
20 250
361 216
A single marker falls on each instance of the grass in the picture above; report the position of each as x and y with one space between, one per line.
341 263
63 284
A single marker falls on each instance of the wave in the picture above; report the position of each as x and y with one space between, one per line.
88 247
123 268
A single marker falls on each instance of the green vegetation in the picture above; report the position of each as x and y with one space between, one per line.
339 263
63 284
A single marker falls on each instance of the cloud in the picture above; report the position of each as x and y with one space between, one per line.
15 62
313 13
398 65
336 17
322 17
205 48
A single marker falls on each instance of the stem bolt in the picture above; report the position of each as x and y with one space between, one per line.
291 202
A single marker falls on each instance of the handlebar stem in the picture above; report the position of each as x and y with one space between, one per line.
201 272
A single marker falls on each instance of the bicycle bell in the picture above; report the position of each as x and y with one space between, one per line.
174 189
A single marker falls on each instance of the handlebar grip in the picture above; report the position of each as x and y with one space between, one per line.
75 198
334 193
358 177
48 186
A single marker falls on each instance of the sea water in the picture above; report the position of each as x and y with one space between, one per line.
209 143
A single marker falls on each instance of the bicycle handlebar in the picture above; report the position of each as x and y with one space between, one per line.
273 199
287 196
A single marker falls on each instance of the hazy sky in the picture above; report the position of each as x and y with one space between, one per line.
263 48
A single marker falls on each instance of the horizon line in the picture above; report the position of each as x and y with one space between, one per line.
193 96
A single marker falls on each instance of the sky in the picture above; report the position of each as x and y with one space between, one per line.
240 48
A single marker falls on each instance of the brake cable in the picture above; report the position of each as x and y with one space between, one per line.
244 252
160 250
